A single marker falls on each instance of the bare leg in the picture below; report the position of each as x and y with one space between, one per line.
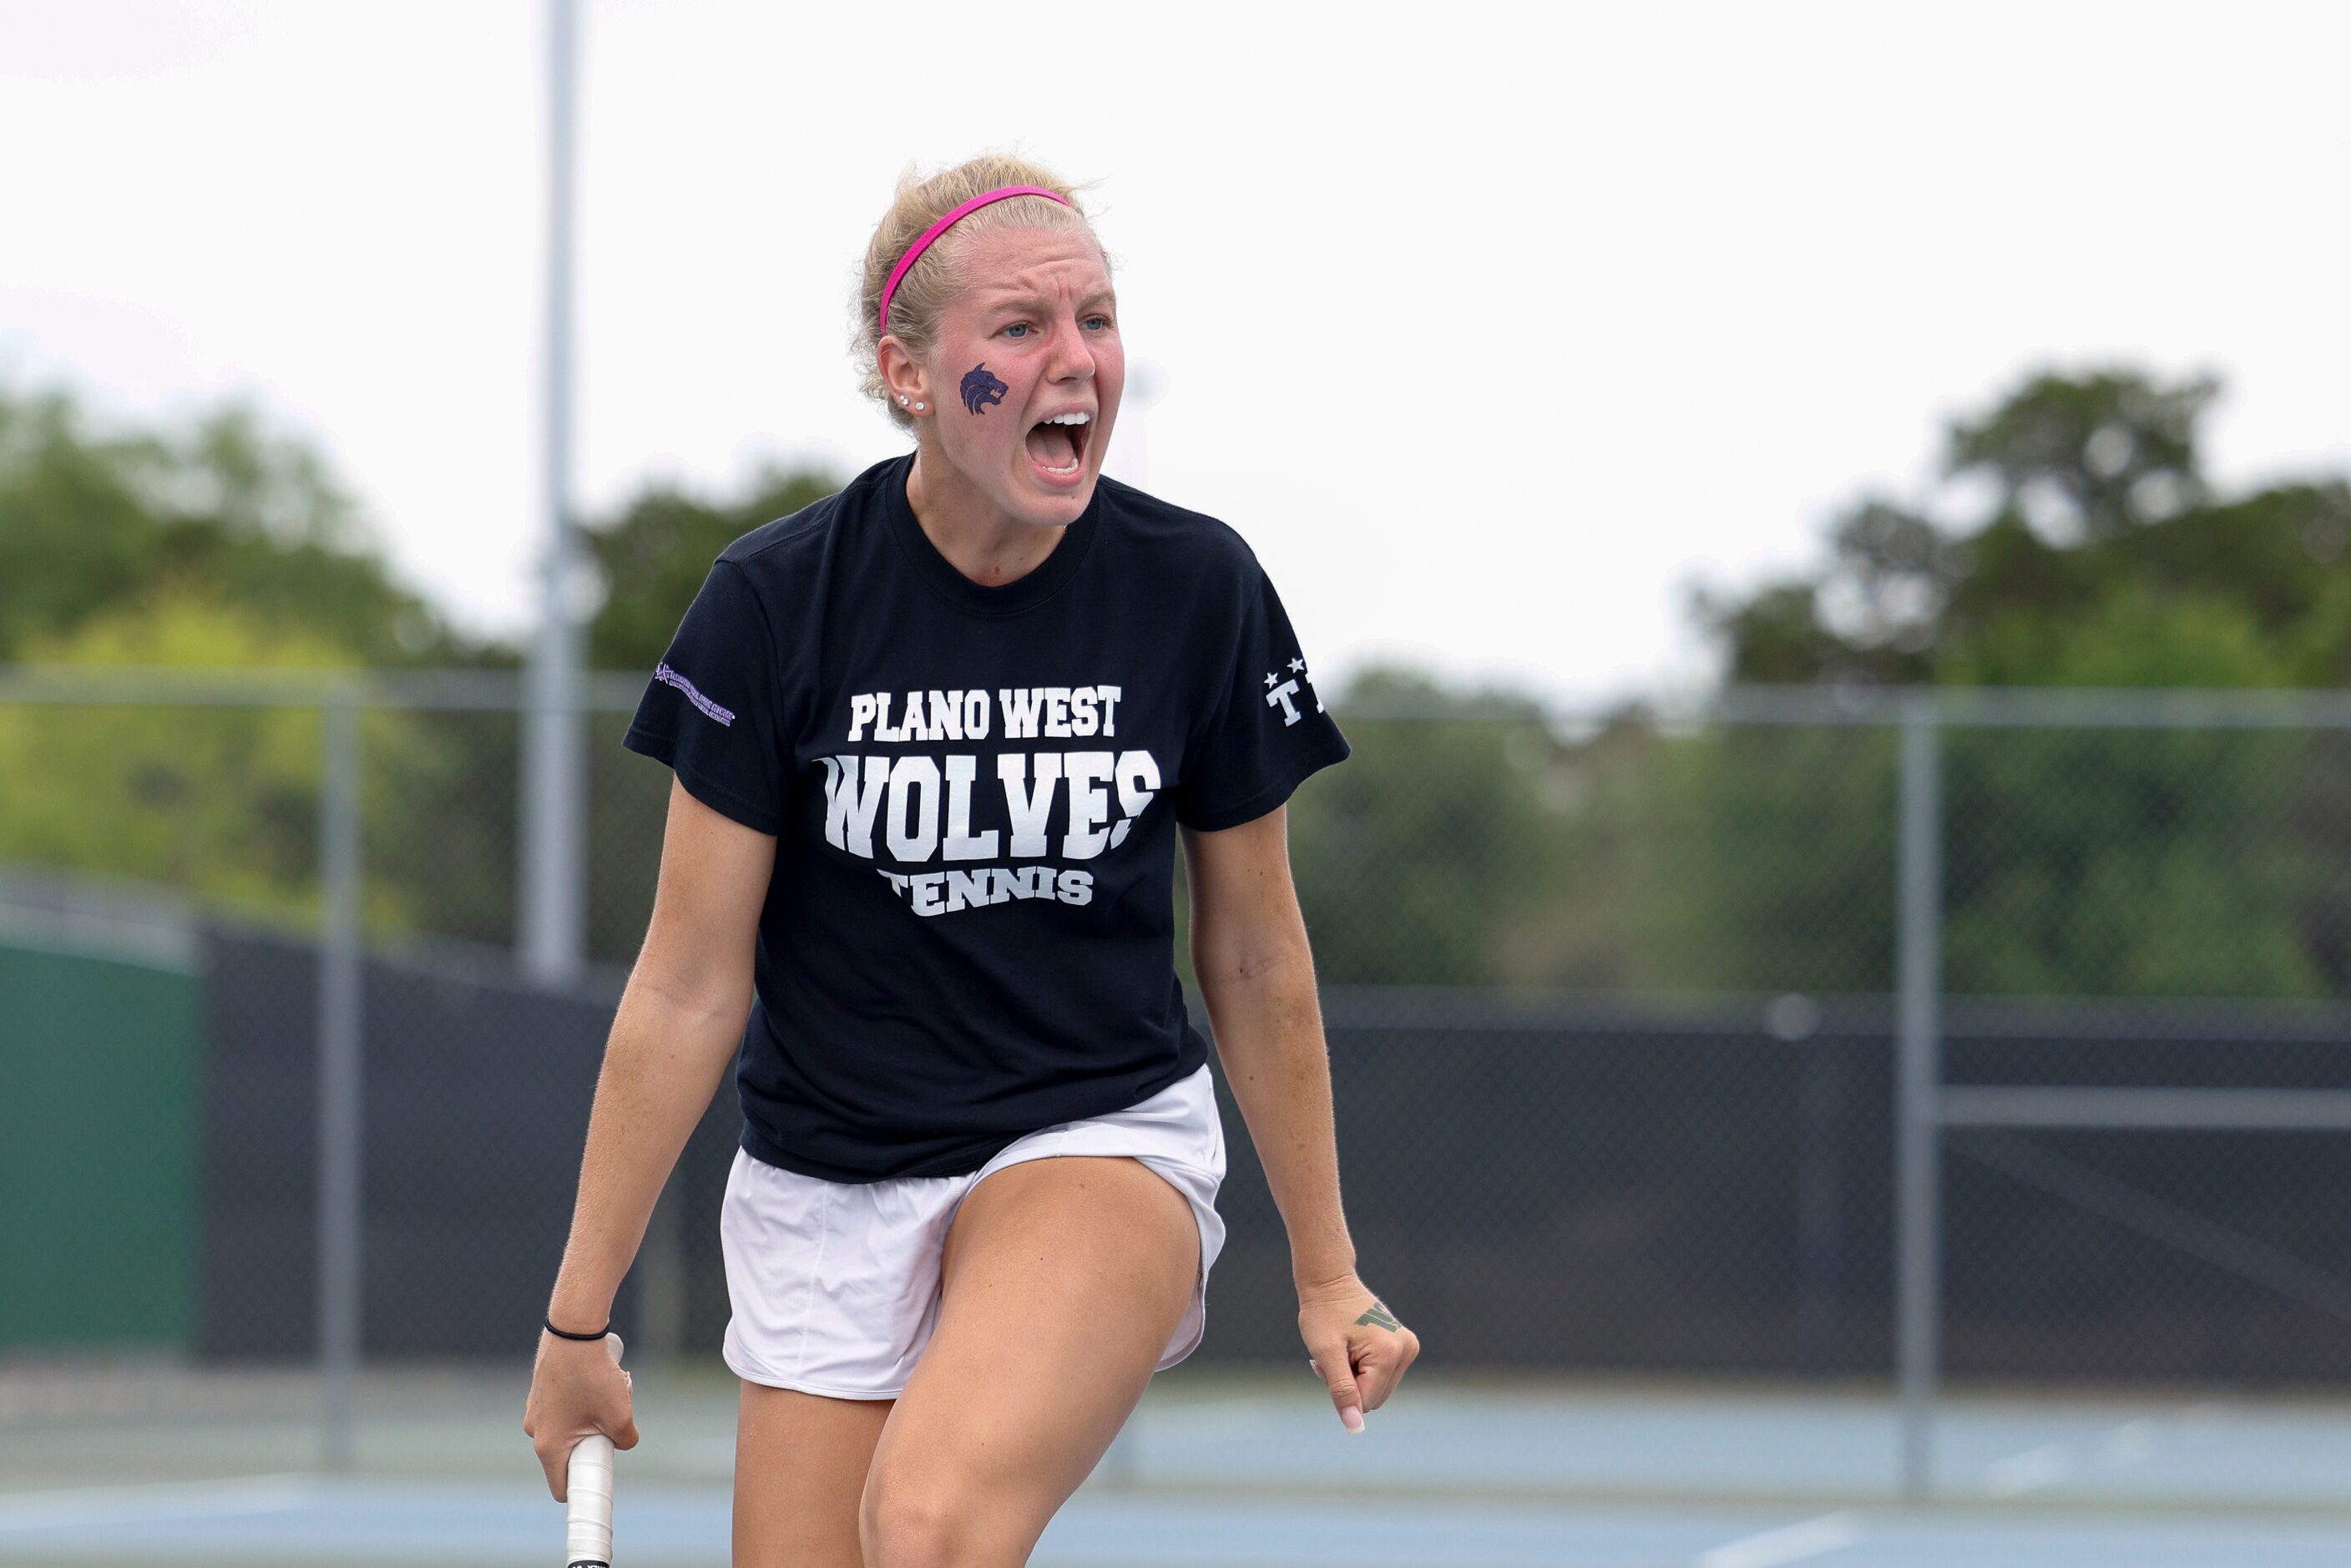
1062 1281
799 1467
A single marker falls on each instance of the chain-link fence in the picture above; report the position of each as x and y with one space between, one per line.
1804 1043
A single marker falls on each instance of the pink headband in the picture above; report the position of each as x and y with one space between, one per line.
914 251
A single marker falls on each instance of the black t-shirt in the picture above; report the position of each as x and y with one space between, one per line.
969 931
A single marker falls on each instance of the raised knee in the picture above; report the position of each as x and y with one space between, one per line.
903 1525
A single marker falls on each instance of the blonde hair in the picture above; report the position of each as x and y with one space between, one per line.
934 279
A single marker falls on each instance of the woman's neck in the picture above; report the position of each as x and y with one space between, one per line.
977 538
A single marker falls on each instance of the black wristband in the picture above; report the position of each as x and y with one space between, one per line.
566 1334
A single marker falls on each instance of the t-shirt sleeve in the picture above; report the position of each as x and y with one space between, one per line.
713 710
1268 730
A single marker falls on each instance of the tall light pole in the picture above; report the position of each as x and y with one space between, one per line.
552 928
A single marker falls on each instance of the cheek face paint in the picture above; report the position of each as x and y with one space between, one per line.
980 389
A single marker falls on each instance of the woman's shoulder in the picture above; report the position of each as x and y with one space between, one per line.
1176 537
795 543
777 544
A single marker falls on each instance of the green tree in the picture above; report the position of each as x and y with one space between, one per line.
2094 860
1409 852
2097 485
74 535
1426 857
216 801
1774 863
655 554
226 509
226 545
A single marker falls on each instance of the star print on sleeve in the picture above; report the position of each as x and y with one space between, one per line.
1280 694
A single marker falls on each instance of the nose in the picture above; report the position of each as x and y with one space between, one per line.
1073 357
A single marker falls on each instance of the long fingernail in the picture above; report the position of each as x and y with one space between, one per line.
1353 1417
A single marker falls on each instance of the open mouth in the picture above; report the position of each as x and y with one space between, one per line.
1057 446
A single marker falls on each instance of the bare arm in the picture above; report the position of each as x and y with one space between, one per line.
1256 973
1257 976
679 1021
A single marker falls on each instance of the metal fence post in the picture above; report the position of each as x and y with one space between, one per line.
1918 1078
340 1212
550 918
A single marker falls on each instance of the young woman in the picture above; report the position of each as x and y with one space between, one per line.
933 738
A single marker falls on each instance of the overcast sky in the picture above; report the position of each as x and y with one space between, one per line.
1493 328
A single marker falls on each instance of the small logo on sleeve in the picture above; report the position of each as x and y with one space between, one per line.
1279 692
668 676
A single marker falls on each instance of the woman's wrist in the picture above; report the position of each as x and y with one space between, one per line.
560 1332
574 1308
570 1313
1313 1275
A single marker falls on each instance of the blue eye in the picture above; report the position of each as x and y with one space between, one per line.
1097 321
1018 329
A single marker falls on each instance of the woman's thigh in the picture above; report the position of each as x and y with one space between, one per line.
1061 1282
800 1468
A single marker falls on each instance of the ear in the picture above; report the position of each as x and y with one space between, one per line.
903 375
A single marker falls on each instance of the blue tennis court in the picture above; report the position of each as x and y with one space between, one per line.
290 1519
1218 1472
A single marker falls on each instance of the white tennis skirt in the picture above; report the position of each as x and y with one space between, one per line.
835 1285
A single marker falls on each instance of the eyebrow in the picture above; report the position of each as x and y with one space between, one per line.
1010 299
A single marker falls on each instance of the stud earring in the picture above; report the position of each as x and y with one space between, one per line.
919 408
901 400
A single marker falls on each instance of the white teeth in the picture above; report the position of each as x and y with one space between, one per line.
1067 419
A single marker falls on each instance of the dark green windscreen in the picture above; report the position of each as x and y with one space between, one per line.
98 1112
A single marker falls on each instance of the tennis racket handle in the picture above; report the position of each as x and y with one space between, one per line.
588 1486
588 1527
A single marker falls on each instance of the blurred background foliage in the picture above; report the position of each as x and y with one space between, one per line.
2072 538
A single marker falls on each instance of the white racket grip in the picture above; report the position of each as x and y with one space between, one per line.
588 1487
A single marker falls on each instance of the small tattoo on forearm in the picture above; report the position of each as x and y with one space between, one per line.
980 389
1380 1316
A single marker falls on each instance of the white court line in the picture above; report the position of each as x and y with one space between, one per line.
2029 1472
2118 1449
2128 1445
1790 1543
165 1500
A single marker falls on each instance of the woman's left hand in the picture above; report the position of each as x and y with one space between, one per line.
1354 1344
